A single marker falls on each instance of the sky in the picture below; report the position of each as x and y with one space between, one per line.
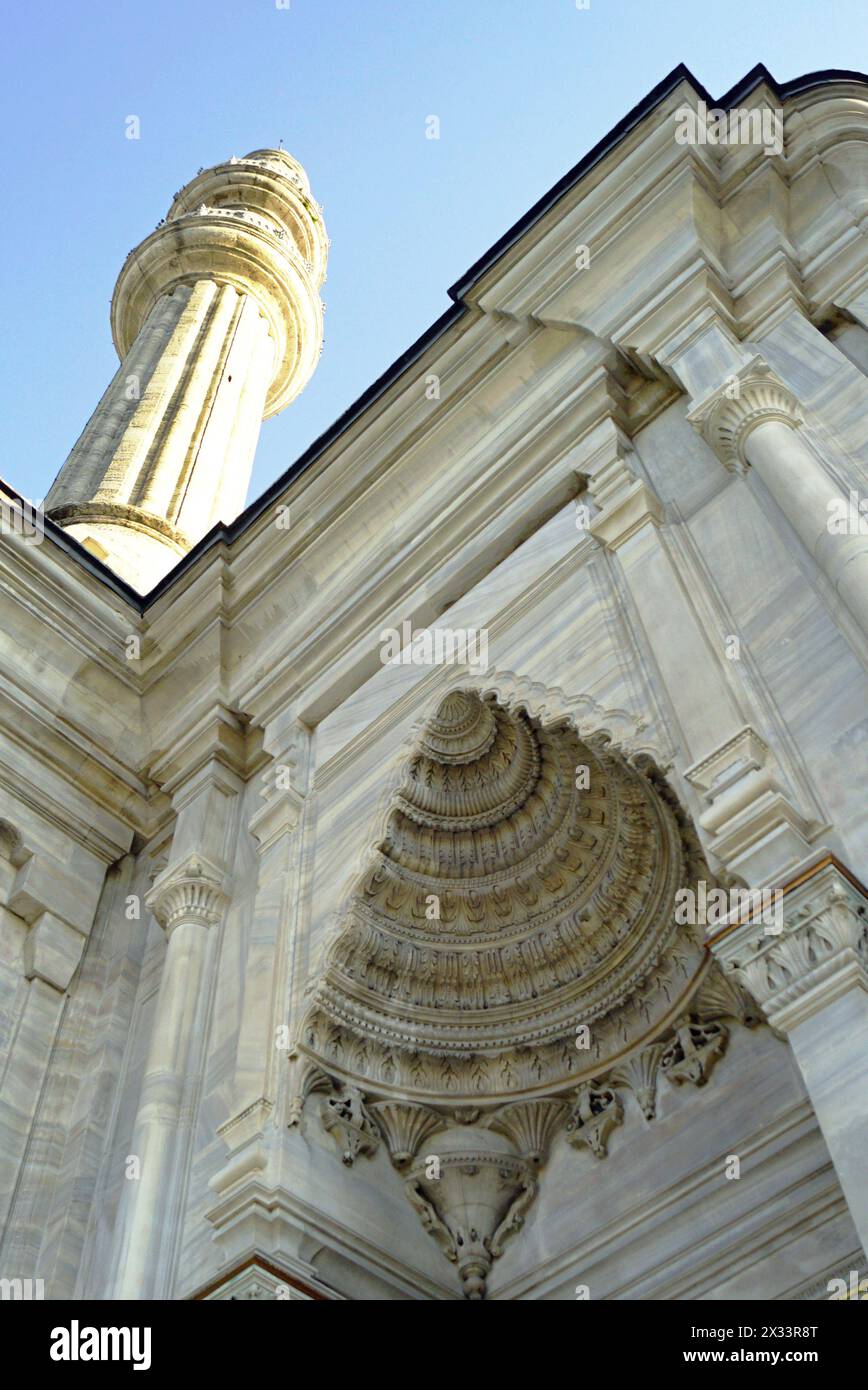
522 89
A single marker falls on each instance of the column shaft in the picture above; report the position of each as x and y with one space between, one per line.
158 1117
806 495
831 1048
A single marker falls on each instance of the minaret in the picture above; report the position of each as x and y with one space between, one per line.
217 319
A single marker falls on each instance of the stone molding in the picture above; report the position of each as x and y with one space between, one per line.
820 954
40 892
756 829
260 1280
751 396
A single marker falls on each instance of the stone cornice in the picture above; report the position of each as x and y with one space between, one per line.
214 737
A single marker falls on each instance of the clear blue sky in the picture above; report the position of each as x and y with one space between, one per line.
522 88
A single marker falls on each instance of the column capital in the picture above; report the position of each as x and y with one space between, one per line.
192 891
750 396
820 953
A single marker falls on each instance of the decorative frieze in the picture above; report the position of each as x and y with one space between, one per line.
820 953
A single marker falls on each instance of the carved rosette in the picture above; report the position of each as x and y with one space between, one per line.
751 397
192 892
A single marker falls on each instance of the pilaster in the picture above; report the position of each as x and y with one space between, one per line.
629 523
251 1133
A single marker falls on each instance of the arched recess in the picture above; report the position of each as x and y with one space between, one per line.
509 956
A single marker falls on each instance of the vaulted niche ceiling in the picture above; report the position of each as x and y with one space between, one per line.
525 886
508 969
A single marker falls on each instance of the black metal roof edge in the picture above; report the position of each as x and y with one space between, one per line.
753 79
231 531
64 541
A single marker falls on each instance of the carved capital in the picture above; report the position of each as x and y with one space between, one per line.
750 397
820 954
192 891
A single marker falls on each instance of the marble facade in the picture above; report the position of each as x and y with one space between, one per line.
298 943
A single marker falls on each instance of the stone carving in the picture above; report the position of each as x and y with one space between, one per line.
692 1053
530 1125
506 905
639 1074
595 1114
190 892
751 397
308 1078
524 885
473 1200
721 996
822 947
347 1120
471 1222
404 1128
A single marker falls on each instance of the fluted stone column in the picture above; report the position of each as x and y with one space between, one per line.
187 904
811 981
217 319
752 420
